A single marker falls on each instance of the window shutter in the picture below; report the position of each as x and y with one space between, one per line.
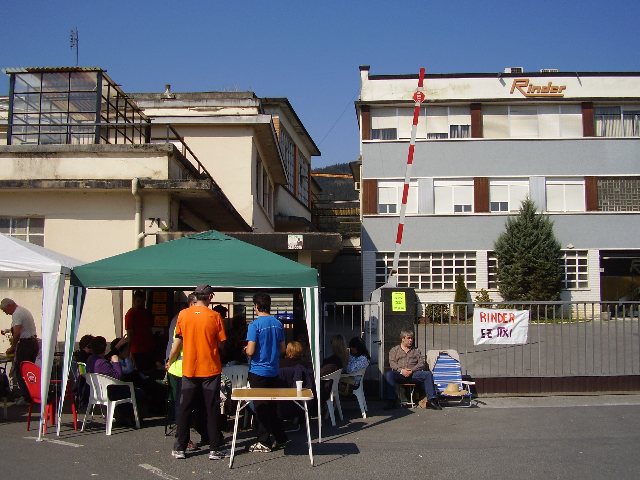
495 121
481 194
369 197
587 119
365 113
591 193
476 120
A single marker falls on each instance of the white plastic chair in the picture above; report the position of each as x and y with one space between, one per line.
334 396
359 392
238 375
98 384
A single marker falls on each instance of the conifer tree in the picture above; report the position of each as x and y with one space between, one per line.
528 257
461 296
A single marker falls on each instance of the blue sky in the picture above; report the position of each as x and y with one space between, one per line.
310 51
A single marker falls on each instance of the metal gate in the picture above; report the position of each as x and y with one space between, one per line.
353 319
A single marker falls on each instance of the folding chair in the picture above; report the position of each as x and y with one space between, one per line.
447 377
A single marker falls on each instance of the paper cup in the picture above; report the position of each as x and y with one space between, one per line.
299 385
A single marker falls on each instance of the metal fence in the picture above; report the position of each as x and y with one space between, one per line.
564 338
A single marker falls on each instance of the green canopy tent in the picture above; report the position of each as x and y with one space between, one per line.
210 257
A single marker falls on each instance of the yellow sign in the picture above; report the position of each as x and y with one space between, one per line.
398 302
160 297
159 308
161 321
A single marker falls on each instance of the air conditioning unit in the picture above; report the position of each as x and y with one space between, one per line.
549 70
514 70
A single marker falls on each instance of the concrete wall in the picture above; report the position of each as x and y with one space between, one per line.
607 230
227 153
503 158
82 166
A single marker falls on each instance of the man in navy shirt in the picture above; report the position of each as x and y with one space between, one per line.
265 344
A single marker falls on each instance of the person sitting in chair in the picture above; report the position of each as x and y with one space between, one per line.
407 366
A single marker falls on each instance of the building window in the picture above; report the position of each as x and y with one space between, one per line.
617 122
289 156
447 122
428 270
390 197
492 271
565 195
619 194
575 269
28 229
384 123
453 196
384 134
531 121
264 188
303 179
506 195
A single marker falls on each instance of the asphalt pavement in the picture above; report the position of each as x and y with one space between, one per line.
568 437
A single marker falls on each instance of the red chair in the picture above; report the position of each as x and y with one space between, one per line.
31 374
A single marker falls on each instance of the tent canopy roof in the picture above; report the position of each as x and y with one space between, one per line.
20 259
210 257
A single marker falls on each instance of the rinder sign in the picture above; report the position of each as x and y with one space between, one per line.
528 89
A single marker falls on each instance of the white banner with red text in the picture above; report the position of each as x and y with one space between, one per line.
500 326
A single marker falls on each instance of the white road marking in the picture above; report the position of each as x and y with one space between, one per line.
58 442
157 471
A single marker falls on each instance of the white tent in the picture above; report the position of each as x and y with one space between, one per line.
23 259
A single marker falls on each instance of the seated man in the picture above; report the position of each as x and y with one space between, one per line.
407 365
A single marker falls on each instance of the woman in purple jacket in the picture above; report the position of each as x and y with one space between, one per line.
96 363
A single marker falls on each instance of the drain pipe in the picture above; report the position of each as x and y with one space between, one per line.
135 185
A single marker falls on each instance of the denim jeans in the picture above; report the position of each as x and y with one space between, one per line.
393 377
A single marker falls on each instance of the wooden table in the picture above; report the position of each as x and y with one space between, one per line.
246 395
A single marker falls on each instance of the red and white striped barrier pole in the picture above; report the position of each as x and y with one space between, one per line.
419 98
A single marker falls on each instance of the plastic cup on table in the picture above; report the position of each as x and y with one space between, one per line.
299 385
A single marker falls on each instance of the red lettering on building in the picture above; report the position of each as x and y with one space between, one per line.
530 90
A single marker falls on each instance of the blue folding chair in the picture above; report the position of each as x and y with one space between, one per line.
447 377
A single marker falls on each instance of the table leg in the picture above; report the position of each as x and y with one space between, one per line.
235 433
306 416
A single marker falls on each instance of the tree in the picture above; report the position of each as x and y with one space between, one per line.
528 257
483 296
460 311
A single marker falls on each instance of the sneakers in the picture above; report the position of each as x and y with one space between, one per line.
279 445
21 402
179 454
192 447
259 447
219 454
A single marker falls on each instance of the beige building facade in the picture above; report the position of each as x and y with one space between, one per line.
91 172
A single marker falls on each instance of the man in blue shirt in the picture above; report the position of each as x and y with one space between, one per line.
265 344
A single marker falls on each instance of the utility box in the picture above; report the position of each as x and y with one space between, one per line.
399 314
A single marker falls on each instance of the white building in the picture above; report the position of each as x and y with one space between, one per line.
571 141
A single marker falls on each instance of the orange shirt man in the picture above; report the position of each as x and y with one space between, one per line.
200 334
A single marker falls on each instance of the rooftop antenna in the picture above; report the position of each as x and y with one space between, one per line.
74 42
